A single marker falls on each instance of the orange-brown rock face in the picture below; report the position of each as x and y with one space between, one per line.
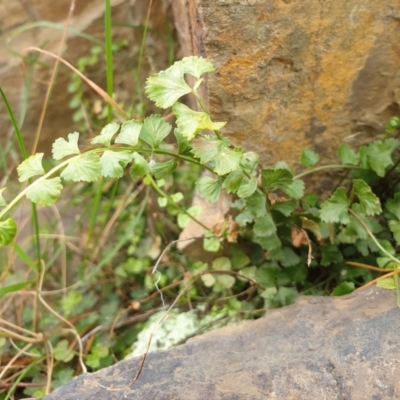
297 73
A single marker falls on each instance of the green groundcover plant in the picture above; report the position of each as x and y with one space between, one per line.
282 239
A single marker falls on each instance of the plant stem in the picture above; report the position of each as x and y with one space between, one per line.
182 210
204 108
323 167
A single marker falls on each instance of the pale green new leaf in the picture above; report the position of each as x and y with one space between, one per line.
233 181
30 167
106 134
62 148
140 166
335 209
211 243
209 188
227 161
196 66
46 192
2 201
226 281
167 86
369 202
380 154
155 129
387 283
347 155
114 162
162 202
86 168
130 132
161 170
8 230
308 158
184 219
191 122
247 188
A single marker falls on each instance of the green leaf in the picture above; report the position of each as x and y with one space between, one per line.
208 280
249 161
162 202
393 205
227 161
274 179
161 170
62 352
380 154
264 226
207 149
191 122
14 288
286 296
343 288
106 134
183 143
196 66
140 166
8 230
130 132
394 227
177 197
295 189
209 188
290 258
222 264
211 243
347 155
155 129
226 281
184 219
2 201
114 162
308 158
266 275
369 202
85 168
239 258
167 86
330 255
285 207
247 188
62 148
387 283
256 204
392 125
46 192
335 209
233 181
268 243
30 167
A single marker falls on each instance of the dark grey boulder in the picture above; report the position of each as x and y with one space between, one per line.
320 348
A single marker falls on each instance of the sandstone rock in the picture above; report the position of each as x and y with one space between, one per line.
88 17
320 348
297 73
